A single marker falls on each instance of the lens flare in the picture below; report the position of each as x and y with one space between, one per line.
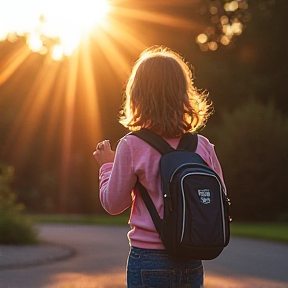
50 24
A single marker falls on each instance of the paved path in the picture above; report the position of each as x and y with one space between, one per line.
95 257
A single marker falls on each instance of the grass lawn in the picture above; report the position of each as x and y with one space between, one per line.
103 219
267 231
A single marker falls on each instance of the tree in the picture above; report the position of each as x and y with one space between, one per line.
251 143
15 228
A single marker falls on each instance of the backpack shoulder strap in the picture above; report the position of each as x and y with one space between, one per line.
188 142
154 140
150 206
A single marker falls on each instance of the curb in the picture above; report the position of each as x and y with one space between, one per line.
15 256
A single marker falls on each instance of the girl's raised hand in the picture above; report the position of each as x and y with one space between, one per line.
103 153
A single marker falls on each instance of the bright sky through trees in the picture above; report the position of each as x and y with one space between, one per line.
55 25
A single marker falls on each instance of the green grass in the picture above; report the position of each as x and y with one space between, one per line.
103 219
267 231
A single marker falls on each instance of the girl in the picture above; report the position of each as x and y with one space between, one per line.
160 96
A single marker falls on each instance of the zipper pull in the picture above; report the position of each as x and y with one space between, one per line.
170 201
229 204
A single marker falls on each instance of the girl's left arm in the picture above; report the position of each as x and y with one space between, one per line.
216 165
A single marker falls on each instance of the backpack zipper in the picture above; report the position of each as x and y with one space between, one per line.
189 164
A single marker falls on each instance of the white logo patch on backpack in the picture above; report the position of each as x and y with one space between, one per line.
204 196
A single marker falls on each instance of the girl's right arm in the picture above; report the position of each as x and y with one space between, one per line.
117 181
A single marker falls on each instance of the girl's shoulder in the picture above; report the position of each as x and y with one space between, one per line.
204 140
132 142
129 138
204 145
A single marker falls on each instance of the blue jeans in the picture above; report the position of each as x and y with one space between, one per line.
147 268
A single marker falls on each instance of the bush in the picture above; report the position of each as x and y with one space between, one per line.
15 227
252 146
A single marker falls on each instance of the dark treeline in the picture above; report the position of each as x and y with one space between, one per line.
246 80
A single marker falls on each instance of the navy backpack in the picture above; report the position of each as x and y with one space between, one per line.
196 223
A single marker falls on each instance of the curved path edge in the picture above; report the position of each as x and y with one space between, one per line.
19 256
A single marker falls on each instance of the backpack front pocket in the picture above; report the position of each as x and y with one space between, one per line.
203 222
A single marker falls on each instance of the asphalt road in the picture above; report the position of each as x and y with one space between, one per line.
95 257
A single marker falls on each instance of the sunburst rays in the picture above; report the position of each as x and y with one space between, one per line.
62 91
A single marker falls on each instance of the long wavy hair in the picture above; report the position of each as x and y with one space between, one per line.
160 95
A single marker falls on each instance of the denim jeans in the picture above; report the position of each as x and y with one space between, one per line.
147 268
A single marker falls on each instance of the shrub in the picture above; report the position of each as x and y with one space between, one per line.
252 145
15 227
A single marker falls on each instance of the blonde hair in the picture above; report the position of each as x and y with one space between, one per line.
160 95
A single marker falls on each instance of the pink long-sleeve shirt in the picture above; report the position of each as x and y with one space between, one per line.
133 158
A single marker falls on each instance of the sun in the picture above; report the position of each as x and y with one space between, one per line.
55 26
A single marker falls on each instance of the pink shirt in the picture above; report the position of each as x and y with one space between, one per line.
133 158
